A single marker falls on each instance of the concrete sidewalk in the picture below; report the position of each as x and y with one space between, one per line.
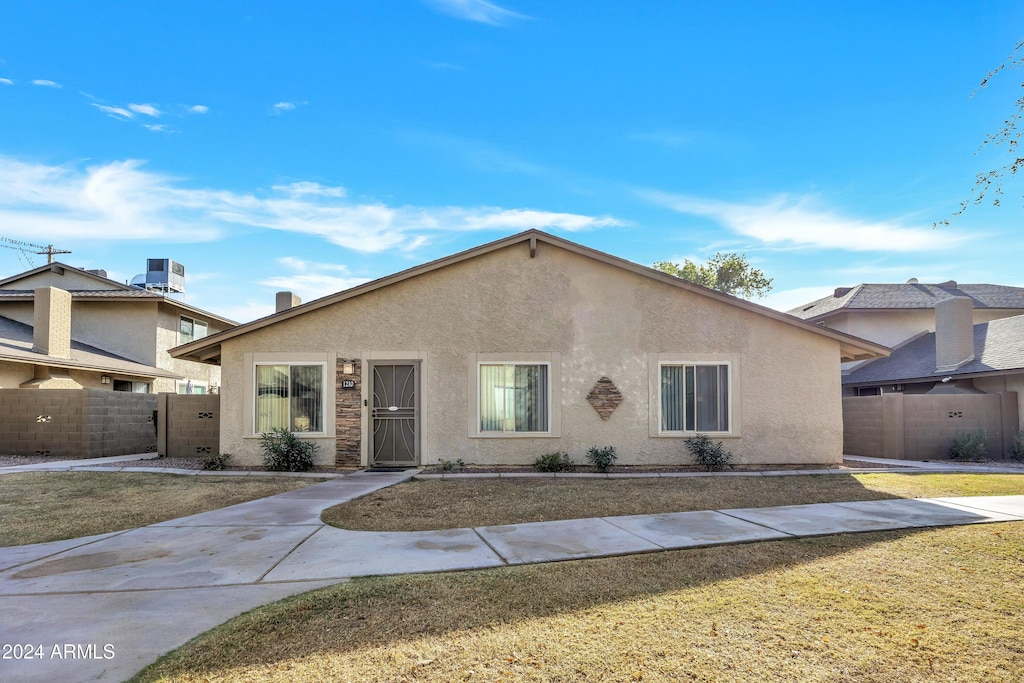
146 591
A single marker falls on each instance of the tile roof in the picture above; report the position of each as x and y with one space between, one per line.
87 294
910 296
998 346
16 346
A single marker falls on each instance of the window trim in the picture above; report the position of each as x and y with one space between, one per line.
553 361
326 398
656 361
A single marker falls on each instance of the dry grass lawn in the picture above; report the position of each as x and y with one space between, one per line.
456 503
51 506
935 605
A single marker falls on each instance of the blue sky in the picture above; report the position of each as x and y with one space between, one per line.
313 146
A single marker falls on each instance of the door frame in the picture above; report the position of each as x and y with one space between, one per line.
371 364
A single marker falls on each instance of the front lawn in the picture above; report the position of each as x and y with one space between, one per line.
456 503
51 506
940 604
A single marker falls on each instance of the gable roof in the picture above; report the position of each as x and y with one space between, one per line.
998 347
105 289
16 347
208 348
910 295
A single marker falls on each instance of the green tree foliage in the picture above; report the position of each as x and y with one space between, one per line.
729 273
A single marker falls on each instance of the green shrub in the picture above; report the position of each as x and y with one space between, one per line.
216 461
601 458
1017 449
446 466
969 446
554 462
285 452
708 454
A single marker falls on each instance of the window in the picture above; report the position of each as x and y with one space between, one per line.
190 329
514 398
128 385
694 398
190 387
289 397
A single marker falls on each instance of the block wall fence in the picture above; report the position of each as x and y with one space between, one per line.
922 426
76 423
188 426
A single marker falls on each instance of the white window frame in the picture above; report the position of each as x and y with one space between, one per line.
659 360
326 400
553 363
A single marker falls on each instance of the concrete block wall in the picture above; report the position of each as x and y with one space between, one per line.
76 423
189 425
922 426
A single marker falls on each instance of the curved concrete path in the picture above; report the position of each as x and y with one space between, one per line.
120 600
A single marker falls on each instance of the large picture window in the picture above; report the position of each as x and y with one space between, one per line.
694 398
289 397
514 398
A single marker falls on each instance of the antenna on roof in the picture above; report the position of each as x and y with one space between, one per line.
49 250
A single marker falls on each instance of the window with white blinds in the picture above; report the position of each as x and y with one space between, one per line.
289 397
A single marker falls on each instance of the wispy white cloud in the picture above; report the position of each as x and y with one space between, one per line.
310 280
480 11
281 107
147 109
6 81
47 84
111 201
198 109
306 188
788 299
156 127
116 112
800 221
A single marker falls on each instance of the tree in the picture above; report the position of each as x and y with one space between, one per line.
728 273
1009 134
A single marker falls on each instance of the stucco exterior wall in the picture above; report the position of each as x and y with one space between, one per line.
594 320
71 278
165 330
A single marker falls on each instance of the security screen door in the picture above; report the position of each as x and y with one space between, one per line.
395 414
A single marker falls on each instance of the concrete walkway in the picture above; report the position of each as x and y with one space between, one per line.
120 600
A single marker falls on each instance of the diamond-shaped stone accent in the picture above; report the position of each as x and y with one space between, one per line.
605 397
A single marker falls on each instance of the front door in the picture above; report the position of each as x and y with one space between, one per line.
395 414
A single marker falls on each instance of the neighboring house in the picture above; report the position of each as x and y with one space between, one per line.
63 327
892 313
529 345
960 357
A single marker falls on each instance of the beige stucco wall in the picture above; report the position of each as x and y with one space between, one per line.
72 278
166 337
597 320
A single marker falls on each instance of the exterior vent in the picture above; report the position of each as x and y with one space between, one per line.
912 281
842 291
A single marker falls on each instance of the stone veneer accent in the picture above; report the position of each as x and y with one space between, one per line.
348 415
605 397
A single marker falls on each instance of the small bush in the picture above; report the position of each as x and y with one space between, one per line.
601 458
216 461
554 462
971 446
446 466
285 452
710 455
1017 449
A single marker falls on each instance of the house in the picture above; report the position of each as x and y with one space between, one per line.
64 327
528 345
962 377
892 313
959 357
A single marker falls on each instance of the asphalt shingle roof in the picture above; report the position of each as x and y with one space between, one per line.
911 296
998 346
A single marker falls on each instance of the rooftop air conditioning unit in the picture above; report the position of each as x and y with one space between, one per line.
165 275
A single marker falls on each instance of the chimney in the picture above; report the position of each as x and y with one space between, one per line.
286 300
51 333
954 333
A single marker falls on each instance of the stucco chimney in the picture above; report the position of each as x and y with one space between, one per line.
286 300
51 333
954 333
